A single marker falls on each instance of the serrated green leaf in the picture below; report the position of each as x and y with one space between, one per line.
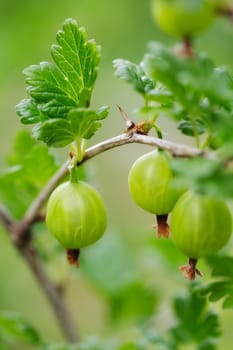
12 325
58 88
28 112
195 324
55 132
133 74
85 122
222 268
50 89
80 123
78 59
69 82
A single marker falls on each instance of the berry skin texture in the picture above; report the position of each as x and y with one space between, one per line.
151 187
150 183
182 18
200 226
76 215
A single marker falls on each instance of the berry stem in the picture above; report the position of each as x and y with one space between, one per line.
162 226
190 271
73 256
188 47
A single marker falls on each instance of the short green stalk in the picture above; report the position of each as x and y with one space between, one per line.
80 148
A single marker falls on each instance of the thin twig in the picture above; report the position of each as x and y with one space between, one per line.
38 203
60 310
177 150
53 295
5 218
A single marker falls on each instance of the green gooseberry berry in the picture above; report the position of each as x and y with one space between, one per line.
151 186
200 226
183 18
76 216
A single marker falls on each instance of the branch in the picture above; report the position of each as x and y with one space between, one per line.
6 219
177 150
37 204
53 295
60 310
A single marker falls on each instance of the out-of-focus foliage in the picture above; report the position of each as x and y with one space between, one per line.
30 167
194 325
14 328
198 96
132 293
222 287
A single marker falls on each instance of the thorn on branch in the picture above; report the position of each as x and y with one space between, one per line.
129 123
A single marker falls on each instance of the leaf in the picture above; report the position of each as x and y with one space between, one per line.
68 83
85 122
125 305
222 269
60 87
204 176
99 273
13 325
55 132
50 89
195 324
201 95
133 74
22 143
28 112
80 123
125 288
187 127
30 167
78 59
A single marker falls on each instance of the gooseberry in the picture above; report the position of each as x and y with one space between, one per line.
151 187
76 216
200 226
182 18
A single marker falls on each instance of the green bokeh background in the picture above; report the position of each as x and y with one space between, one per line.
123 28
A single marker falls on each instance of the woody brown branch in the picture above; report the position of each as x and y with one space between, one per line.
20 235
177 150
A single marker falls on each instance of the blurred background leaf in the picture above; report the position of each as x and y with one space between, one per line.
149 266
